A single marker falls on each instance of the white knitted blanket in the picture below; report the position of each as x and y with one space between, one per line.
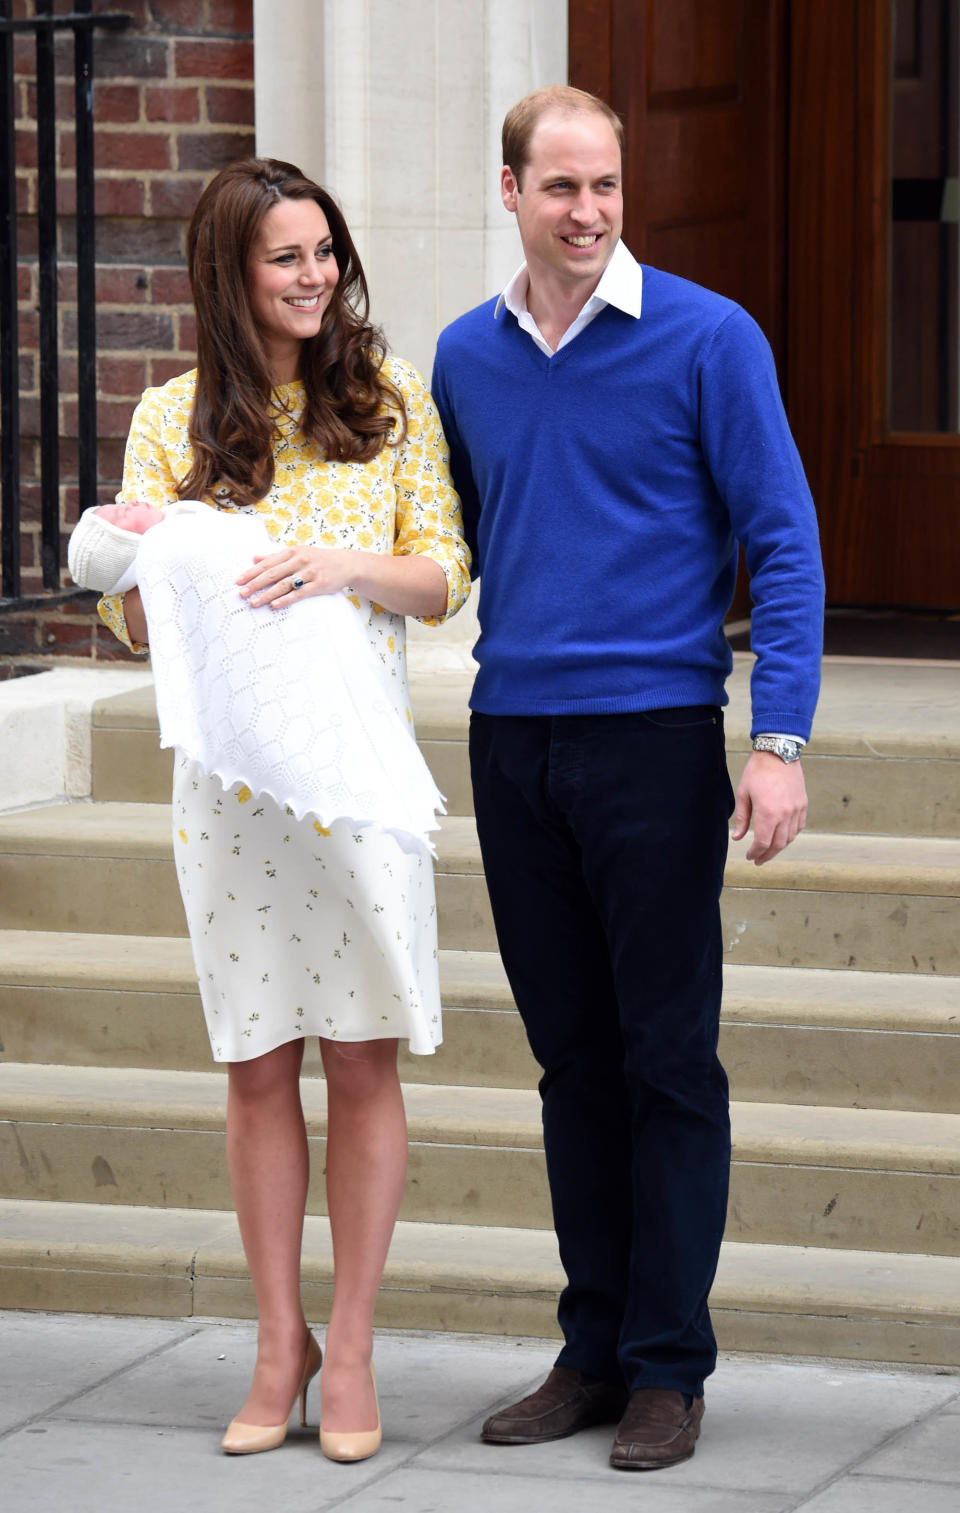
288 701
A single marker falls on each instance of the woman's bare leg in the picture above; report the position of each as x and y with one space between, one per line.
269 1170
366 1169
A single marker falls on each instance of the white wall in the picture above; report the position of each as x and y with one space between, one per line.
395 106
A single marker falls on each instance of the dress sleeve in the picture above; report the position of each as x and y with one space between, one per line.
428 518
460 470
148 476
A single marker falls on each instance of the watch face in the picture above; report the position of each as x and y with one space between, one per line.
782 746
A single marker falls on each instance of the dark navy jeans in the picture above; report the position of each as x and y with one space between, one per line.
604 839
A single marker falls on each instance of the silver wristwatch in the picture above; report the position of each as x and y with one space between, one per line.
786 749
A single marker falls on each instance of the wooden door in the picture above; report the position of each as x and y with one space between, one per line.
699 86
758 162
863 346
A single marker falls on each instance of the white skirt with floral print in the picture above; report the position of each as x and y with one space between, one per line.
299 931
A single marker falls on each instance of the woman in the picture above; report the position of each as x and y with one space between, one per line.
293 412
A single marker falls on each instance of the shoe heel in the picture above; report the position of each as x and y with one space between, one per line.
311 1366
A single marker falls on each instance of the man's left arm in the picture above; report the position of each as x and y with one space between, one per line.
755 465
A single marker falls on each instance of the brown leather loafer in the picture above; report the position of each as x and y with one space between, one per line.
658 1429
564 1404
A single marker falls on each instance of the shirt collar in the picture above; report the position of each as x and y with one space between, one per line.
621 284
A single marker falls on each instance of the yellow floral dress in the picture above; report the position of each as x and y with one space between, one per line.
297 930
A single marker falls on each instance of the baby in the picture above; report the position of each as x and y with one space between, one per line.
289 702
103 548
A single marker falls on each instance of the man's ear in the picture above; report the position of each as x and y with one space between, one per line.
509 189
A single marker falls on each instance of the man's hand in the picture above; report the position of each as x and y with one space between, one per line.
773 795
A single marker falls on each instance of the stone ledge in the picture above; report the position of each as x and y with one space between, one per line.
45 731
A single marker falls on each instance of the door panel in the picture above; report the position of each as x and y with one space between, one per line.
699 86
694 48
889 500
785 204
687 250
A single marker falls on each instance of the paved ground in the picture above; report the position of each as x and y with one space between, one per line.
124 1414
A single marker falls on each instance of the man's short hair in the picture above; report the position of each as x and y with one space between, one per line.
521 119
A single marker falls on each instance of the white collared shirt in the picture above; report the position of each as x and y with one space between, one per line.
621 284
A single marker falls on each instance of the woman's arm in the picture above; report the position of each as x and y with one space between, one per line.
428 521
147 476
134 617
413 585
428 573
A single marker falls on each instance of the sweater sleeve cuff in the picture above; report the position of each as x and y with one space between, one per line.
782 722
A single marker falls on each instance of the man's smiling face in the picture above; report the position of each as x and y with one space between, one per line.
569 202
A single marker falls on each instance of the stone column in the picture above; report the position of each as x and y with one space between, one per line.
396 108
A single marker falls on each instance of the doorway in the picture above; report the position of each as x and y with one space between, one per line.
803 159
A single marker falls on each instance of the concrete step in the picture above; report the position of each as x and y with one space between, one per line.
81 999
877 1179
188 1262
877 903
841 1033
842 1039
127 764
106 868
883 1040
882 731
873 902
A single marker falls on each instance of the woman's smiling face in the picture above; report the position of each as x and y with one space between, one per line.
291 275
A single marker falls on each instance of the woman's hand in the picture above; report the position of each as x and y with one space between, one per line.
408 585
271 579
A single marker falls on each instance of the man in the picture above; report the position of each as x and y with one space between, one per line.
614 432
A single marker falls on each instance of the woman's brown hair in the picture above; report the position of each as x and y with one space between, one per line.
351 410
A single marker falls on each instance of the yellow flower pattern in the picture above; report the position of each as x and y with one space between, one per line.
402 501
299 928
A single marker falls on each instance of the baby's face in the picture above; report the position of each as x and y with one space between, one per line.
131 517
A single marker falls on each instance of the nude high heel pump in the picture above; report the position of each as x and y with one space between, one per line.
357 1445
250 1439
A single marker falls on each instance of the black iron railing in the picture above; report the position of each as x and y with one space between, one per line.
43 26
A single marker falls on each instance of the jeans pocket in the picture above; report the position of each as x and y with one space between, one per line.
685 717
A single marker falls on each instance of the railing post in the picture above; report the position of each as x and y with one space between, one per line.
44 25
86 266
9 334
47 264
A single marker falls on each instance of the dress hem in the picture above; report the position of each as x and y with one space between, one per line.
340 1039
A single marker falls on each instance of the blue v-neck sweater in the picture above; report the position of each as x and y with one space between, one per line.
605 489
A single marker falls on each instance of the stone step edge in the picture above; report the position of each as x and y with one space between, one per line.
439 700
806 997
816 862
801 1135
164 964
437 1258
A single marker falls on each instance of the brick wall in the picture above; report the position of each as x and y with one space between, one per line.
173 103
